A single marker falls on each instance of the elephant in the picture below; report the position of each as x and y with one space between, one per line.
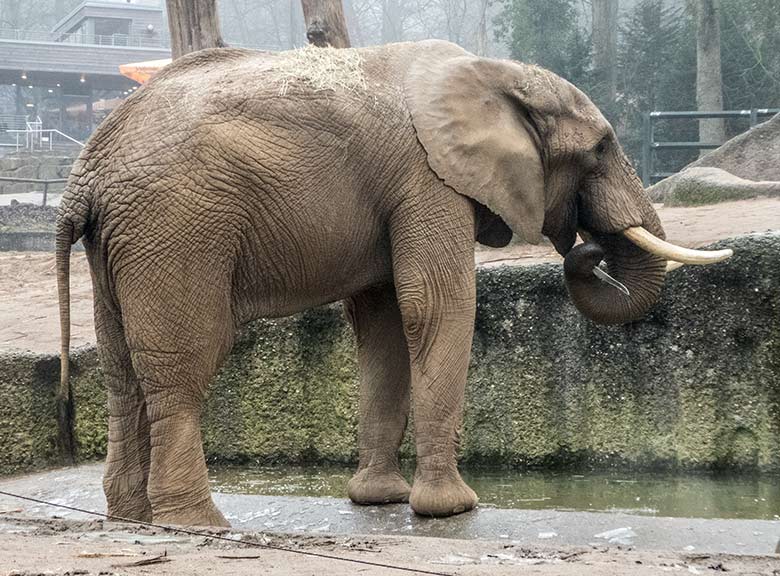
239 184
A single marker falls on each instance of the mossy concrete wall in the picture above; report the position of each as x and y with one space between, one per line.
696 384
29 434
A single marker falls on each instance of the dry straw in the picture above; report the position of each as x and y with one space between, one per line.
321 68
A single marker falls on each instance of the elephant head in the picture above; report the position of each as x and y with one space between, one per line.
540 159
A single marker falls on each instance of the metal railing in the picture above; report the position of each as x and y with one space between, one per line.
650 146
38 138
45 183
123 40
161 40
12 122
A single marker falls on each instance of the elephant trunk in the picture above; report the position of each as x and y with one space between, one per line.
636 263
641 272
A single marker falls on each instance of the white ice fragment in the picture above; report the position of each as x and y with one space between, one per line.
456 560
547 535
618 535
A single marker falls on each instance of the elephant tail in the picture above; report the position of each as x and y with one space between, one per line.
71 222
62 247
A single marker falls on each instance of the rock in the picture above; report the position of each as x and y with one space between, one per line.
751 157
27 217
696 186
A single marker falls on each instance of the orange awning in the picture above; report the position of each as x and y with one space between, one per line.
142 71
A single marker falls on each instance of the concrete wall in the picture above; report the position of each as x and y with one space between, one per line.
694 385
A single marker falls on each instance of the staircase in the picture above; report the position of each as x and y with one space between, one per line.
31 136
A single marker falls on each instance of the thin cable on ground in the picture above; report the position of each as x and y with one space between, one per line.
216 537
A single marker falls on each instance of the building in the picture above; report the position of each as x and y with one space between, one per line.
69 77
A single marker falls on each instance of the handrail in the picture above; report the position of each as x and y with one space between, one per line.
158 41
55 131
34 132
45 182
109 40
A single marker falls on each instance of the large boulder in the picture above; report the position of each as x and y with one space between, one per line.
744 167
697 186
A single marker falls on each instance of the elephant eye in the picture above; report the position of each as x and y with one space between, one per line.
601 147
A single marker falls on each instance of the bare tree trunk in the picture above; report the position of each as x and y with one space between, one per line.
605 27
354 22
295 25
241 18
194 25
391 21
709 84
482 39
9 14
325 23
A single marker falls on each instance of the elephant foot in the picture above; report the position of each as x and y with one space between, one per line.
371 486
443 496
140 511
126 496
203 514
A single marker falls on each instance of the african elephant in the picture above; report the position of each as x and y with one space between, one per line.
240 184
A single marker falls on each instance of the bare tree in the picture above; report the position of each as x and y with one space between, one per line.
391 21
10 13
605 28
296 26
354 22
482 33
325 23
194 25
709 83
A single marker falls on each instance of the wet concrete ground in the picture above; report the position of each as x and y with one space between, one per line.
81 487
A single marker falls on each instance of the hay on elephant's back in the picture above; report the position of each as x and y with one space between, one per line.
322 68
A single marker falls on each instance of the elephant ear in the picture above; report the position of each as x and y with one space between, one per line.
476 120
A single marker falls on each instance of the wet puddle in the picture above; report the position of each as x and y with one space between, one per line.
651 494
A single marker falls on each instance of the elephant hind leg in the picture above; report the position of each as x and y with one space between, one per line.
384 396
178 337
127 463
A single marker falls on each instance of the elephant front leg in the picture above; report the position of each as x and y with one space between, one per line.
435 283
384 396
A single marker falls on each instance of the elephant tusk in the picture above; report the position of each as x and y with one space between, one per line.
655 245
672 265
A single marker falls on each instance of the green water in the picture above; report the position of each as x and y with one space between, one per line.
667 494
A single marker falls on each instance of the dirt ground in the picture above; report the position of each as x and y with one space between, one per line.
58 548
28 293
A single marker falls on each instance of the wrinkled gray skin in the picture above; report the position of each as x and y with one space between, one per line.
225 191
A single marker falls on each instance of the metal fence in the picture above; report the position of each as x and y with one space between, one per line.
34 137
650 146
45 182
160 40
133 40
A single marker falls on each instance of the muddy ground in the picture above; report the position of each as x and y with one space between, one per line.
28 296
59 547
